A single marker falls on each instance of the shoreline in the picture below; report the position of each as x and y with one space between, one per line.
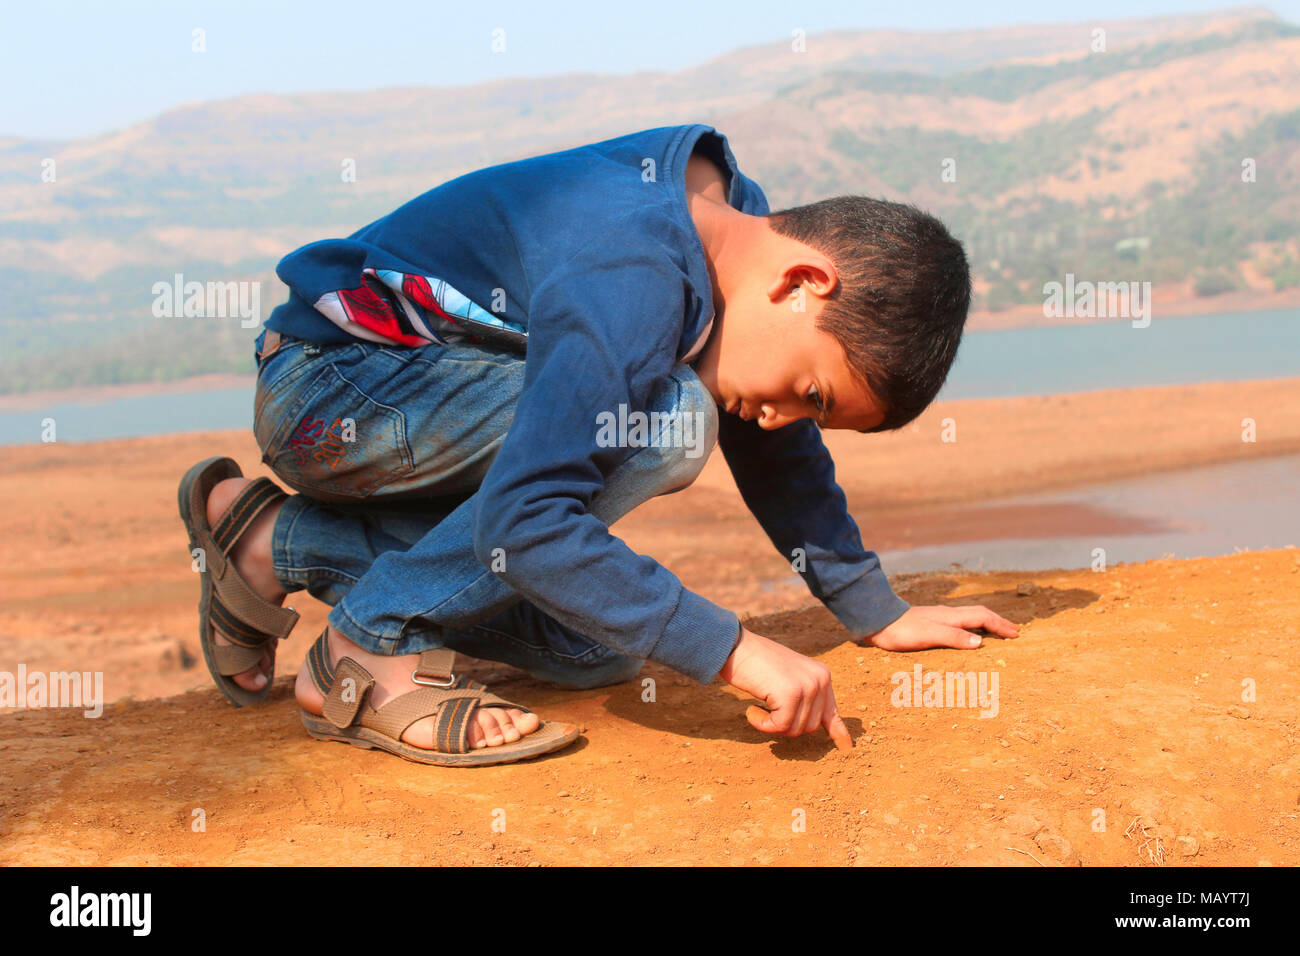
98 394
902 474
1163 306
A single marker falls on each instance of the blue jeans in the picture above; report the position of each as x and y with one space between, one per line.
386 447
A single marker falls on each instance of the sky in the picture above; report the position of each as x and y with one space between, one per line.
82 68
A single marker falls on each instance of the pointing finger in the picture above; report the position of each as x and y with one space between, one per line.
839 733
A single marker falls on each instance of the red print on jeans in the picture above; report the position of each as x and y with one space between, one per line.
333 447
304 437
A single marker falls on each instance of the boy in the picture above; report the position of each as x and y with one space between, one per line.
438 389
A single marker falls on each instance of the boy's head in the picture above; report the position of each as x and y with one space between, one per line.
861 298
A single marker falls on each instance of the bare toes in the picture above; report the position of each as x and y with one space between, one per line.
524 722
251 680
508 727
480 733
494 731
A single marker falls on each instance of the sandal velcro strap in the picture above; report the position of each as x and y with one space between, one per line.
243 616
451 729
436 668
352 684
255 498
318 664
233 659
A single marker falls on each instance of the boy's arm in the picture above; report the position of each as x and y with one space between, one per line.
601 334
787 479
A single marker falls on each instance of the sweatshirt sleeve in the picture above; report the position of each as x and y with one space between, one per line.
787 479
602 332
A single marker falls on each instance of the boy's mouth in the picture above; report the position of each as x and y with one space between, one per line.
737 407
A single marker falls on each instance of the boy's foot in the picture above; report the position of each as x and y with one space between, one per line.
251 557
492 727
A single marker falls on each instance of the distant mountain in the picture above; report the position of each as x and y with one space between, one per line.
1117 163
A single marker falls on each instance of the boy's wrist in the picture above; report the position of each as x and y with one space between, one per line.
698 638
729 664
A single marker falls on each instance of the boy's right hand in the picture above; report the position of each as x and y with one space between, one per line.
796 690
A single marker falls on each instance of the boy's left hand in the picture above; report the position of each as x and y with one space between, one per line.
941 626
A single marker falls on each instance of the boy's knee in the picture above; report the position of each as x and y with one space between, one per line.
689 432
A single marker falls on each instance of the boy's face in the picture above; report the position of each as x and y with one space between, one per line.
768 362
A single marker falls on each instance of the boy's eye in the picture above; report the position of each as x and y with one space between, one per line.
815 397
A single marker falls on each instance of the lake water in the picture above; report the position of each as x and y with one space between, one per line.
1197 512
1224 347
1040 361
132 416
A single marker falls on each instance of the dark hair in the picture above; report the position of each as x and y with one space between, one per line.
901 302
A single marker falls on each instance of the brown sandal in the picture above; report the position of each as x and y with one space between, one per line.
228 605
450 700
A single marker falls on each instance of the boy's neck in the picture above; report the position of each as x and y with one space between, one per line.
732 241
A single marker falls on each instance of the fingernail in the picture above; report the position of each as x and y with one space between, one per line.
974 640
259 681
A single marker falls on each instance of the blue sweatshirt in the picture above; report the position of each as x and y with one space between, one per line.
588 262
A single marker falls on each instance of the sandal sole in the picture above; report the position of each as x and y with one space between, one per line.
548 738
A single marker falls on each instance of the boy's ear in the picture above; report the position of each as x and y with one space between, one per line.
781 286
815 275
820 277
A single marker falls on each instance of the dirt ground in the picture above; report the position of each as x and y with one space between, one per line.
1145 716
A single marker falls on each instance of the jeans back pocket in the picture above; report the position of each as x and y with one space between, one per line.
327 438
